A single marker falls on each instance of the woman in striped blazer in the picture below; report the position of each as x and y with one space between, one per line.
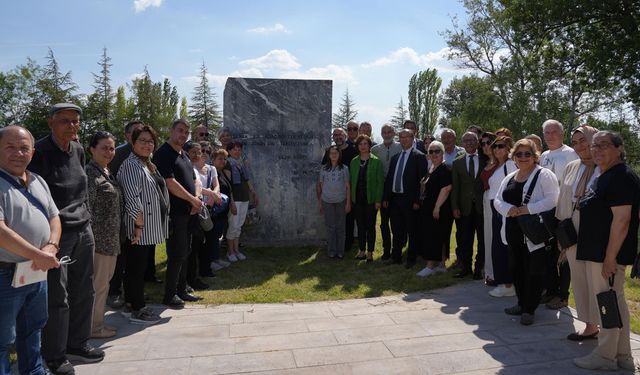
146 209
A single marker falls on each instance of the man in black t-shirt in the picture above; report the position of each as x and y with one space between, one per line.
176 168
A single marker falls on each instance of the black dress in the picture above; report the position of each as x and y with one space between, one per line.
434 232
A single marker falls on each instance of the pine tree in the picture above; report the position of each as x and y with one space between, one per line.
98 111
204 109
346 111
398 118
56 85
423 100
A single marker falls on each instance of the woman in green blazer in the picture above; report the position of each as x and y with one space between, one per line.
367 183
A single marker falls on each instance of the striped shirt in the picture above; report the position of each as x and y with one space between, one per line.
141 193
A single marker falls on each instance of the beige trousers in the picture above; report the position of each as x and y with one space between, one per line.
103 267
614 342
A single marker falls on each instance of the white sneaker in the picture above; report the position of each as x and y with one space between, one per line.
425 272
502 291
232 258
440 269
223 263
216 266
240 256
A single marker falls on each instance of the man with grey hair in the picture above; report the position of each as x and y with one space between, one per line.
29 231
451 150
201 133
556 159
385 151
60 161
466 203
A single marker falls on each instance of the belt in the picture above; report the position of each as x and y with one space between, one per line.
6 265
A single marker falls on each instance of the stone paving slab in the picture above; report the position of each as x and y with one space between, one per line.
456 330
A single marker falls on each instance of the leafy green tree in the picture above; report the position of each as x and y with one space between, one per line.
204 109
400 115
346 111
123 112
184 112
423 100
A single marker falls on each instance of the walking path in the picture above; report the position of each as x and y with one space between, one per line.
460 329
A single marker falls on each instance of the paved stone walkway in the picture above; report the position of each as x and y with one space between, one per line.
460 329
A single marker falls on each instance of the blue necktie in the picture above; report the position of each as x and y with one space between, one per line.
398 182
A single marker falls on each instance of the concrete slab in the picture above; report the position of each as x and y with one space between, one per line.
457 330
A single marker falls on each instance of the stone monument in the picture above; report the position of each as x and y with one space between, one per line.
285 125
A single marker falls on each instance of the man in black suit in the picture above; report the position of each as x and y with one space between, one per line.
402 194
466 203
418 144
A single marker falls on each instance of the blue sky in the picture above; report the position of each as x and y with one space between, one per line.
373 47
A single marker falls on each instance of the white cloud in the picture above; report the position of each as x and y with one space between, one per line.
331 71
142 5
278 59
136 76
437 59
277 28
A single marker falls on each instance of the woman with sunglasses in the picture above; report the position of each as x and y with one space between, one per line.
490 166
435 212
526 259
499 250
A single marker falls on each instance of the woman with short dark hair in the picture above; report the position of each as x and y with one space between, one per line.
367 180
105 205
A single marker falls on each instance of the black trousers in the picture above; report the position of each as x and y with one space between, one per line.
136 259
385 230
71 295
178 250
349 224
470 225
366 220
150 273
558 278
527 268
202 252
402 218
115 284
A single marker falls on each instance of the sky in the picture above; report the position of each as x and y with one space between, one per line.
372 47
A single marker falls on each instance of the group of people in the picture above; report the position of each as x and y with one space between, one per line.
541 220
92 226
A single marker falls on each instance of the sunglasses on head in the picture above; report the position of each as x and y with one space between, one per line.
498 145
523 154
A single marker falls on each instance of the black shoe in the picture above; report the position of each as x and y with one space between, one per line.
61 367
174 302
153 279
85 354
115 302
197 284
462 274
385 256
409 264
207 273
489 282
513 310
189 289
341 257
188 297
332 256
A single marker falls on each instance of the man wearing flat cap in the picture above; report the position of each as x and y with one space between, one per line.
60 161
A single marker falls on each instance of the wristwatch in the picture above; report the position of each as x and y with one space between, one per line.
54 244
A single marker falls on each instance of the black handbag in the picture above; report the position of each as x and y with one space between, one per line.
566 233
608 307
540 227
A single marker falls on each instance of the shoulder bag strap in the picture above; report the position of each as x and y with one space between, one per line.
34 201
527 197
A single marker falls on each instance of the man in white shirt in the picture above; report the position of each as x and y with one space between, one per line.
451 150
556 159
385 151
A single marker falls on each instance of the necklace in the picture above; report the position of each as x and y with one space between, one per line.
363 162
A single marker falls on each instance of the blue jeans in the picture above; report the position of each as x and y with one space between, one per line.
23 314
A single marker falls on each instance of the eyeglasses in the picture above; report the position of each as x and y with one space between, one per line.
601 146
206 151
435 151
498 145
523 154
146 141
352 129
203 134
